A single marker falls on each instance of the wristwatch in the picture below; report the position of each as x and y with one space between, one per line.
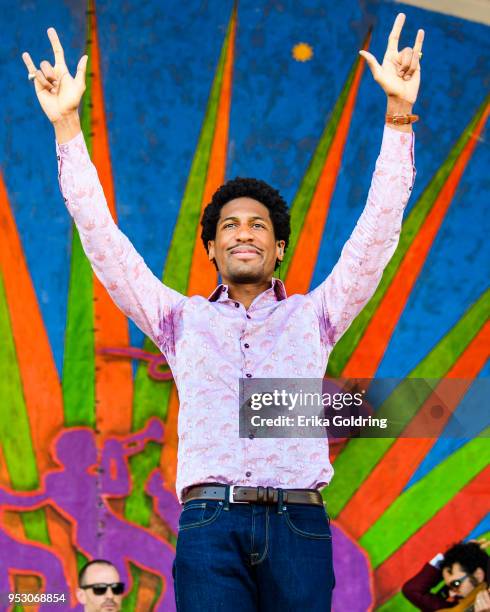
401 119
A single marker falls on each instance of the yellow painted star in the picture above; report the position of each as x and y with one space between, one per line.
302 52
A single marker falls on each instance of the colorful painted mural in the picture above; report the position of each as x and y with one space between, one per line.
180 97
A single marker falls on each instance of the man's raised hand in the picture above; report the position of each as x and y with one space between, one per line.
59 93
399 74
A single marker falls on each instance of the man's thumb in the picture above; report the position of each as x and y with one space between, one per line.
81 69
372 62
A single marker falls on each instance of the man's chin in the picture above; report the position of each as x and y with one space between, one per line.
245 274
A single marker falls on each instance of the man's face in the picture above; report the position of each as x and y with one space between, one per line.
245 248
100 574
456 572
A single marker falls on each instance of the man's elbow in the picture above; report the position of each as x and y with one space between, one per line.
408 591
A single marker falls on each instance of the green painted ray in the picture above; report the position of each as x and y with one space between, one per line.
418 504
302 199
138 507
16 442
129 601
414 221
360 456
78 382
152 397
397 603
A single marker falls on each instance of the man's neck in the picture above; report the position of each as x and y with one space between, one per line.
246 293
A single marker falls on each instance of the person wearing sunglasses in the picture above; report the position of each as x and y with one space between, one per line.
463 568
99 587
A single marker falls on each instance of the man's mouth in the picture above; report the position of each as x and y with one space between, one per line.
244 252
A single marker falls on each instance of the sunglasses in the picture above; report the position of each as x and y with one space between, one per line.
117 588
455 584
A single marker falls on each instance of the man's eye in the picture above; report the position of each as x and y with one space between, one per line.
259 225
228 225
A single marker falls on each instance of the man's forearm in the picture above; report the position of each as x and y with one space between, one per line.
67 128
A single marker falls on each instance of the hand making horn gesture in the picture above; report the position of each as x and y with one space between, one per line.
399 74
59 94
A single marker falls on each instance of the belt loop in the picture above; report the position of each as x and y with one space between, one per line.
227 498
279 501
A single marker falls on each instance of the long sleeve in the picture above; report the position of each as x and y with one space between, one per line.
417 590
122 271
354 279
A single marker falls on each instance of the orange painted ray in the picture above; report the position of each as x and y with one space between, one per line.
470 506
168 460
148 585
40 382
114 378
302 265
388 479
203 275
366 357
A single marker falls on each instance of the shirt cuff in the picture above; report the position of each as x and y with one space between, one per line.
399 148
73 152
437 560
398 145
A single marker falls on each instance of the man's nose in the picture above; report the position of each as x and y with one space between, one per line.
244 233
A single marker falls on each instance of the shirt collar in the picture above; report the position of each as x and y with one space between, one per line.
221 291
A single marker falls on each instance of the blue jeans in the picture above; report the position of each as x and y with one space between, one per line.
251 557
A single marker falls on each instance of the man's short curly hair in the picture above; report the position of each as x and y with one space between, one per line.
250 188
469 555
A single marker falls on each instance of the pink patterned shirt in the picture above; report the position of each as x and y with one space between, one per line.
211 343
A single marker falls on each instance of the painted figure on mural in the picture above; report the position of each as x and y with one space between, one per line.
80 491
253 532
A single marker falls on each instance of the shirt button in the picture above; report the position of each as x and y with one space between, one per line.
251 436
246 345
237 305
248 474
248 375
249 317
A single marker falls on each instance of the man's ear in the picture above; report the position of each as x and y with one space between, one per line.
479 575
81 596
280 249
211 250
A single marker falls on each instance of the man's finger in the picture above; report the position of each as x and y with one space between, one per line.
404 60
415 63
81 69
59 56
40 78
31 68
372 62
394 36
419 41
48 70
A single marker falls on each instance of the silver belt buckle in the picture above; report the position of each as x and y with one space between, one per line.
232 495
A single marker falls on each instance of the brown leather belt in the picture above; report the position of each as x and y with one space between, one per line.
253 495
